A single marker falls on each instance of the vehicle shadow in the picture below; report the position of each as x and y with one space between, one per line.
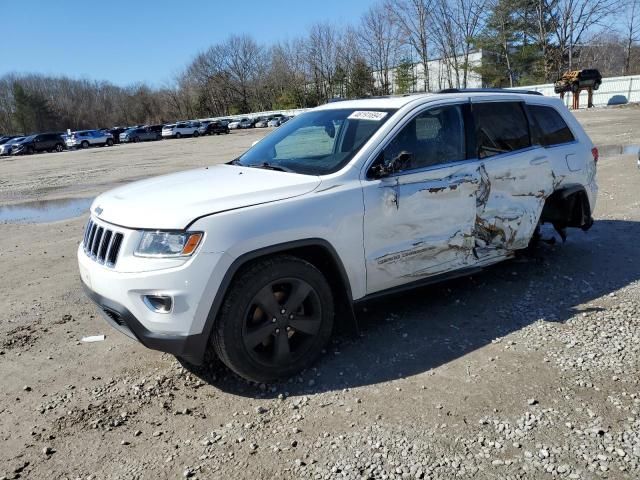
411 333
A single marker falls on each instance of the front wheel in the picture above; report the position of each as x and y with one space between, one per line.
59 147
276 319
178 135
85 144
196 133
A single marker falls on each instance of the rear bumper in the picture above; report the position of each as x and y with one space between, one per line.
189 347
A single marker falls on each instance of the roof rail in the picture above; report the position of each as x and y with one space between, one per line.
489 90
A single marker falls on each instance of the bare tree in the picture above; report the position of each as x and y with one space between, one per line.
573 20
631 31
323 53
380 44
413 17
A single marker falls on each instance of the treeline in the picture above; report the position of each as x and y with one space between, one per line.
386 51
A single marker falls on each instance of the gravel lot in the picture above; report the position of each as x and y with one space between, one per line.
528 370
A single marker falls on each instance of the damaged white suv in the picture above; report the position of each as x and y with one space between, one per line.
257 260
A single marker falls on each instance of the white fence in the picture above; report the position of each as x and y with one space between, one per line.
612 91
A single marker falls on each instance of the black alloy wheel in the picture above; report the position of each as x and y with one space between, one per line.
276 319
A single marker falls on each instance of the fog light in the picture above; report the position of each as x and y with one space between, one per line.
158 303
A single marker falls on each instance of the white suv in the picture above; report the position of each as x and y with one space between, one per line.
87 138
256 260
181 129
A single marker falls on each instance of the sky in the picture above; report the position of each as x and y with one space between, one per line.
146 40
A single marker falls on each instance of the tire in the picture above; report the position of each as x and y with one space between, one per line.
158 137
196 134
84 144
178 135
280 345
59 147
136 139
30 151
109 142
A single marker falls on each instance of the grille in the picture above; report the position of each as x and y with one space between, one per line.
101 244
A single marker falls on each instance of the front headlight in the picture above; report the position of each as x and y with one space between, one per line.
168 244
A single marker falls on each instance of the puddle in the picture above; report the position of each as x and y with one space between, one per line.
612 150
44 211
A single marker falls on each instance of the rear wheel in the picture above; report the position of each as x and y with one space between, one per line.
109 142
276 319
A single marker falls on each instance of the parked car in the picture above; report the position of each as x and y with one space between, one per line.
180 129
573 80
262 122
248 261
242 123
284 119
216 128
141 134
224 121
203 126
41 142
89 138
156 128
115 133
5 138
7 147
274 122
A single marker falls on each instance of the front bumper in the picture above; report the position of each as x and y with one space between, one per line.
190 347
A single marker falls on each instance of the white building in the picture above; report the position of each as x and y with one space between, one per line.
442 74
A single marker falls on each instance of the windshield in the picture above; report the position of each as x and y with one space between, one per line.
317 142
15 140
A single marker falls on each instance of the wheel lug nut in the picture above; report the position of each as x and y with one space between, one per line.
291 317
283 311
273 320
277 330
288 328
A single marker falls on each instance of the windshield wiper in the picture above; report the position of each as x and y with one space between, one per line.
268 166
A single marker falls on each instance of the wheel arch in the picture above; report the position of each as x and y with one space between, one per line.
568 207
317 251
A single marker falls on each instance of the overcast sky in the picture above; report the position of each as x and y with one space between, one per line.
130 41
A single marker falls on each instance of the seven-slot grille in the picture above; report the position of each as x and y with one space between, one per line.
102 244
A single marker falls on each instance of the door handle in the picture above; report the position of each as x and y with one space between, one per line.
539 160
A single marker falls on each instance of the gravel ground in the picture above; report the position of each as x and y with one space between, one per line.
529 370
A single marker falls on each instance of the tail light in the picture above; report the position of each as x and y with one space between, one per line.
596 155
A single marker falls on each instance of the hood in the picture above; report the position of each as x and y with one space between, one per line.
173 201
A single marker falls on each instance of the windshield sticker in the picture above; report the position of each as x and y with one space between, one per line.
367 115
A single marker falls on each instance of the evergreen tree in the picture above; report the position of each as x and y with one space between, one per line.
360 81
404 77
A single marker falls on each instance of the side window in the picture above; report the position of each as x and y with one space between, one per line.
434 137
501 127
551 127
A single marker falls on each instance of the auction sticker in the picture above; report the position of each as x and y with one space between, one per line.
367 115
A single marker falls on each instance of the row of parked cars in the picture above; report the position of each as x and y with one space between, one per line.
259 122
57 142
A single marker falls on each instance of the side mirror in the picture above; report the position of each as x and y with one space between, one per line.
400 162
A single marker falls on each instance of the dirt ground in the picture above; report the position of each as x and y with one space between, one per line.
528 370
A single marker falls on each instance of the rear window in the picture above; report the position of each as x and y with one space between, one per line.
551 127
501 127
